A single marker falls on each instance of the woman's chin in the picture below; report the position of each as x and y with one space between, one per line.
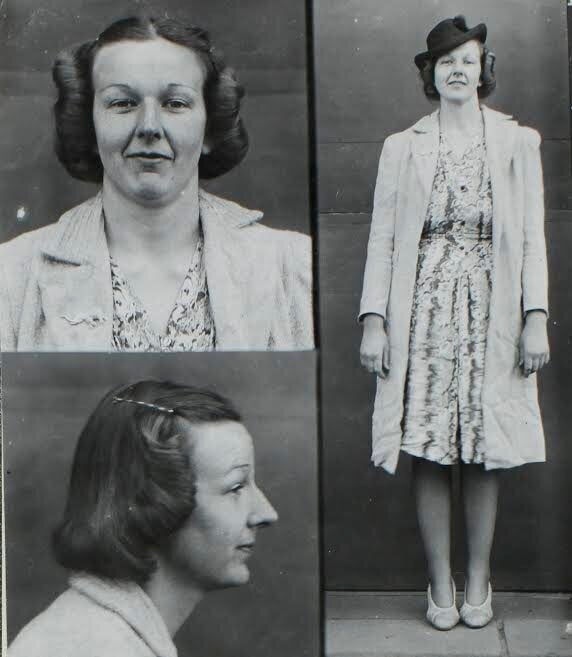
153 193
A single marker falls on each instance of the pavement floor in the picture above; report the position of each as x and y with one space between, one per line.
393 625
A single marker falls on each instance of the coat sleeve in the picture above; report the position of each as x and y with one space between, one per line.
378 267
7 311
534 266
297 275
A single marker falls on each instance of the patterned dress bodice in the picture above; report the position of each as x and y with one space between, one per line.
461 201
190 326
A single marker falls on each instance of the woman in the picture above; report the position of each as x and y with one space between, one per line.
162 508
153 263
454 307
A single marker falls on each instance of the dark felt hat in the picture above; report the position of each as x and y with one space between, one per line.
448 35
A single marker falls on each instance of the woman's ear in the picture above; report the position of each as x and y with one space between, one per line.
206 148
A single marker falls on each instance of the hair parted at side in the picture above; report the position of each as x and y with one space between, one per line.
75 140
132 480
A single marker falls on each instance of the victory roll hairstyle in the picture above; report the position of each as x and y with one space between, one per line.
132 483
75 140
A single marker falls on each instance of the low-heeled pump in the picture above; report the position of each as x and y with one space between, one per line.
476 616
442 618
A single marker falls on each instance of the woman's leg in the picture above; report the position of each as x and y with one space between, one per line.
480 501
432 484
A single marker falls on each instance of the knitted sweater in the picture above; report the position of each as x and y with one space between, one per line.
96 618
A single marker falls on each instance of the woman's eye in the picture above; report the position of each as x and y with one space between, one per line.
237 489
122 103
177 104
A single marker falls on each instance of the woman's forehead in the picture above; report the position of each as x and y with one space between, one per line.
218 448
131 62
472 47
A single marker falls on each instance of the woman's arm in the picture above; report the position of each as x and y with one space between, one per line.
534 348
377 276
374 349
534 267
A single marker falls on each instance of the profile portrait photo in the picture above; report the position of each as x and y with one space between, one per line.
145 512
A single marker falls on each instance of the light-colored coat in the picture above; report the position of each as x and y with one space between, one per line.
55 282
96 618
511 417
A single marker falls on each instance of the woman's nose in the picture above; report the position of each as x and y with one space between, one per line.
263 513
149 127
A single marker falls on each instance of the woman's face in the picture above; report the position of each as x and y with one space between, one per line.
458 73
212 549
149 117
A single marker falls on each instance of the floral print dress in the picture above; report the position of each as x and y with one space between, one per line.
190 326
443 419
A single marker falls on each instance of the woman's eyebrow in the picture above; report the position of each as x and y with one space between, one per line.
172 85
239 466
120 85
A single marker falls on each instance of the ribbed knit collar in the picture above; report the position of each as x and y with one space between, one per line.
133 605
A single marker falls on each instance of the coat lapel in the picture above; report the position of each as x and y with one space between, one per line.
75 278
75 281
500 138
424 151
237 291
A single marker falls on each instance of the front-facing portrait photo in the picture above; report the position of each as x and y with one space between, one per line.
156 193
444 169
163 505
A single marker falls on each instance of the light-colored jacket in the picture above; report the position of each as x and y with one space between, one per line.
512 424
56 294
96 618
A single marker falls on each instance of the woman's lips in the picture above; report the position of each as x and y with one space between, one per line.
149 156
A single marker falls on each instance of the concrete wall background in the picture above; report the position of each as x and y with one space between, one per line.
367 88
264 41
47 399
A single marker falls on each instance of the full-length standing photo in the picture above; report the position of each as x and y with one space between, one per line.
442 277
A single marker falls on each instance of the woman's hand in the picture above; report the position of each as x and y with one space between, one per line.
374 350
534 349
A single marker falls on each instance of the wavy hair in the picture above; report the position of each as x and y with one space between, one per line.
75 140
488 79
132 483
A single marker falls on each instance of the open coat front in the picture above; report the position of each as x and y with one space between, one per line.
511 416
55 282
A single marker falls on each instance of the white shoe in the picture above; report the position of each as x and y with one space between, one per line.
442 618
477 616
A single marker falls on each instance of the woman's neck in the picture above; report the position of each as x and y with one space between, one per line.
464 119
132 228
173 597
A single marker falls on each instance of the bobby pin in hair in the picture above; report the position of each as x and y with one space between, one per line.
155 407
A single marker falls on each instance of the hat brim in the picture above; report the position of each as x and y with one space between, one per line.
478 32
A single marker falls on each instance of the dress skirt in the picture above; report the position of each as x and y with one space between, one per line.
443 418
